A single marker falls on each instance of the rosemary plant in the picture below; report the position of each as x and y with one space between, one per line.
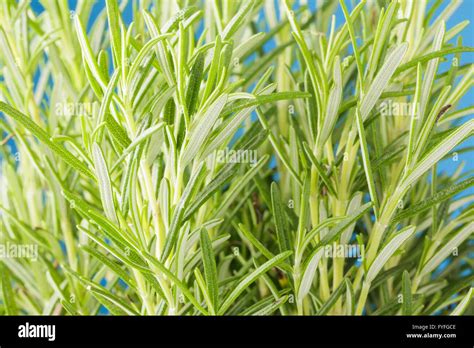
234 158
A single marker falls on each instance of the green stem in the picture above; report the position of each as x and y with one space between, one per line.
362 298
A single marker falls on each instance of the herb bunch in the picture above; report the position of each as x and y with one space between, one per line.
203 158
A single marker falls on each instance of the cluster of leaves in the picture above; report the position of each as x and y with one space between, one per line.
109 167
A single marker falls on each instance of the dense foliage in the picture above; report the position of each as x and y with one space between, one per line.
219 157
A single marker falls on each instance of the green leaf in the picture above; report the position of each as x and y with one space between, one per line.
278 148
354 205
463 305
255 242
7 292
429 122
163 55
387 252
318 87
381 80
415 115
177 220
449 292
320 227
109 229
126 188
184 289
117 131
333 104
114 267
10 61
438 152
38 132
385 275
210 270
309 271
221 178
145 50
320 169
105 185
237 187
114 18
227 130
350 28
271 307
202 128
104 106
407 307
333 298
113 303
264 99
366 161
429 56
447 249
205 291
431 69
281 222
194 84
344 224
88 55
382 37
128 257
139 140
350 298
304 212
437 198
250 278
238 20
